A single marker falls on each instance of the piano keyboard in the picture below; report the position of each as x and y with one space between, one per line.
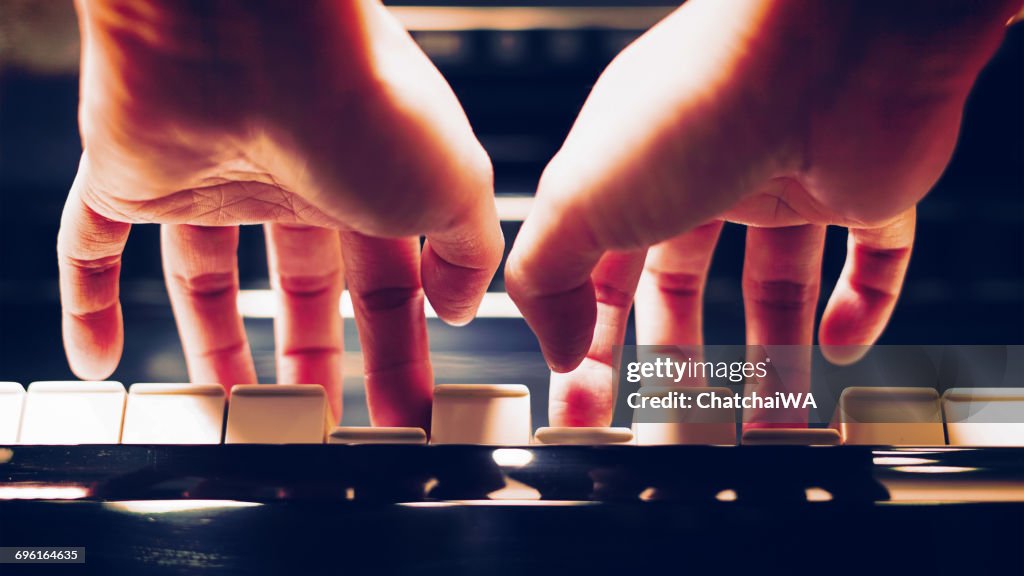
68 413
281 468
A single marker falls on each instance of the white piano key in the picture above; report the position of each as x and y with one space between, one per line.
711 426
72 413
582 436
791 437
376 435
276 414
488 414
893 416
174 414
984 416
12 397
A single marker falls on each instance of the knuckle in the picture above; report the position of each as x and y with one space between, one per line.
677 284
390 298
781 294
874 292
884 256
310 285
92 266
611 295
208 284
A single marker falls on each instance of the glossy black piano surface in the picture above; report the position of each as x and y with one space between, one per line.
514 510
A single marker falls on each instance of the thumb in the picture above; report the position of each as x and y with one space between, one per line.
660 146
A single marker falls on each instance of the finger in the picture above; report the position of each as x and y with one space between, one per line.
548 276
586 395
460 259
384 282
201 272
781 284
89 248
670 296
867 290
306 271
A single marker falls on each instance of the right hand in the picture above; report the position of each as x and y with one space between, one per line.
321 119
784 116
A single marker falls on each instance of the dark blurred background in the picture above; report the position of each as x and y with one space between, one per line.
522 70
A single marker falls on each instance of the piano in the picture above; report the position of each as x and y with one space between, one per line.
246 489
182 479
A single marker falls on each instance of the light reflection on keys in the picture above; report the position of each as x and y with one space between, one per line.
894 416
174 414
276 414
984 416
12 397
376 435
488 414
791 437
72 413
584 436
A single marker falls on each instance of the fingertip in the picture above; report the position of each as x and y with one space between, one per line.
457 320
837 338
401 395
843 355
94 345
562 362
91 371
563 323
849 327
459 263
454 291
565 341
583 397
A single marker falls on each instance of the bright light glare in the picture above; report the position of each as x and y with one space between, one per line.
264 304
815 494
433 18
726 496
42 492
902 461
512 457
168 506
936 469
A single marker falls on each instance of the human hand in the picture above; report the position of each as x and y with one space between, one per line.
320 119
784 116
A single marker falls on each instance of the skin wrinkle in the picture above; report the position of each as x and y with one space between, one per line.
98 203
887 255
310 285
180 207
92 314
229 349
678 284
93 266
389 298
872 292
301 351
609 295
208 285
